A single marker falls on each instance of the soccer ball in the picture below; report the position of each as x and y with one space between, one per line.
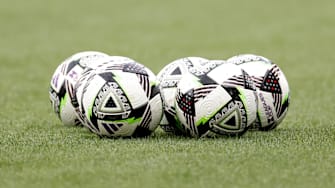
88 68
168 79
221 101
272 89
119 99
65 75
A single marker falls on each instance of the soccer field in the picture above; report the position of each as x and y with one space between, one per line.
36 150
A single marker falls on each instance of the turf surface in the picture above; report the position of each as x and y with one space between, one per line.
37 151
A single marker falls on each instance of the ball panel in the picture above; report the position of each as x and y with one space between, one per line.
131 80
245 58
66 112
57 80
222 104
210 104
124 128
249 99
156 106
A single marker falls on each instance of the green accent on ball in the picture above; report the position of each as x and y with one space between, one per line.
178 124
129 121
243 98
63 102
203 120
285 98
196 80
90 110
153 83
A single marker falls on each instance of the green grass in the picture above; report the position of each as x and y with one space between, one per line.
37 151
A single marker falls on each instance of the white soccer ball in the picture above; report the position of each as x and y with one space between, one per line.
66 74
272 89
88 68
167 79
221 101
119 99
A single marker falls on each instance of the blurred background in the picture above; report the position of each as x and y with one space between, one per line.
36 36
